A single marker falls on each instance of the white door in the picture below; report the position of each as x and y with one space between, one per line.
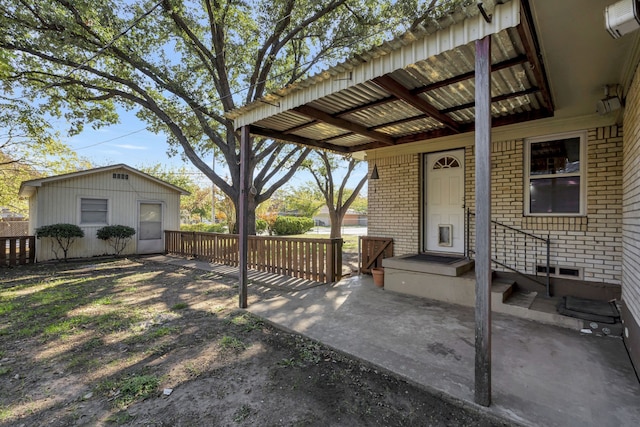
444 198
150 229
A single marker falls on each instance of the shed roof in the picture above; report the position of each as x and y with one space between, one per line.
28 187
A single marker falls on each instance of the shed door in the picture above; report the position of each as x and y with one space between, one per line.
150 228
444 225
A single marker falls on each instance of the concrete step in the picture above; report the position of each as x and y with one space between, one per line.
522 298
501 289
525 305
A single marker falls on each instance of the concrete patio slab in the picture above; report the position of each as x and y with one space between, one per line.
542 375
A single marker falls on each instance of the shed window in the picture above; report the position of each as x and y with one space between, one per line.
555 175
93 211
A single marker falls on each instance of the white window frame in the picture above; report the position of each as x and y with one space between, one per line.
582 173
162 218
108 218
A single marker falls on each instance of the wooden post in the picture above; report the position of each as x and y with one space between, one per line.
483 223
243 223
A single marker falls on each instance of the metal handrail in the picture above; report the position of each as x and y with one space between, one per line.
547 242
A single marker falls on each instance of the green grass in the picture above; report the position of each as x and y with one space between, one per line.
247 322
231 343
179 306
137 387
242 413
120 418
5 413
130 389
108 300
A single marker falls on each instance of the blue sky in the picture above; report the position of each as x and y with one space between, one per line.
130 143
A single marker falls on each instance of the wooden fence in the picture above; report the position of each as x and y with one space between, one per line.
313 259
373 250
17 250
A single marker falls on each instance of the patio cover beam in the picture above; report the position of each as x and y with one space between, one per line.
526 32
469 127
320 115
520 59
268 133
389 84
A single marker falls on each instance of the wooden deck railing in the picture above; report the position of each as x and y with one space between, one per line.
312 259
17 250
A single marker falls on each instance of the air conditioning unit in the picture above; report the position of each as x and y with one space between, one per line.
622 17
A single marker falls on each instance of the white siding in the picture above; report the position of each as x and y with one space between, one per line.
59 202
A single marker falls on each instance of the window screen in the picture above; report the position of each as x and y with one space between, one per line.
93 211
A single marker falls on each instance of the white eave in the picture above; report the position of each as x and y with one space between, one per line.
27 188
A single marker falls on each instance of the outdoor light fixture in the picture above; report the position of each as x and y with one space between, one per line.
374 172
612 100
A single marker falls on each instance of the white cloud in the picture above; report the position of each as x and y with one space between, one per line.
130 147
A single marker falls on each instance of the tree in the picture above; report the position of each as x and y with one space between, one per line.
28 149
198 203
302 201
323 166
116 236
183 64
62 237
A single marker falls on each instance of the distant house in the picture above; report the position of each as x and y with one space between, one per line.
110 195
7 214
352 218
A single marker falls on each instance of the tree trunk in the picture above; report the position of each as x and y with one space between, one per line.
336 224
251 215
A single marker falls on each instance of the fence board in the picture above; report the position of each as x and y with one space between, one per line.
311 259
17 250
373 250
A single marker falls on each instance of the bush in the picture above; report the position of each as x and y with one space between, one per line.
205 228
117 236
288 225
62 234
261 225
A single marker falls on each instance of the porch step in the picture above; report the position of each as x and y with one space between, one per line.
522 298
431 264
502 289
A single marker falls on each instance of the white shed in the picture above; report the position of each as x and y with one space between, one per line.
110 195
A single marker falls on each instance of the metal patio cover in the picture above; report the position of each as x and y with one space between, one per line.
416 87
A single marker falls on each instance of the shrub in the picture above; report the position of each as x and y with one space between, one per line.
261 225
205 228
117 236
62 234
288 225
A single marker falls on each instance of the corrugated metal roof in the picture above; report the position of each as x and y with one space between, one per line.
430 96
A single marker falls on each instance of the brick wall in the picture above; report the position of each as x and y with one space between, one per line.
631 201
592 243
394 202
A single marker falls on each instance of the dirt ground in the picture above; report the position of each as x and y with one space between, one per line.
132 342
